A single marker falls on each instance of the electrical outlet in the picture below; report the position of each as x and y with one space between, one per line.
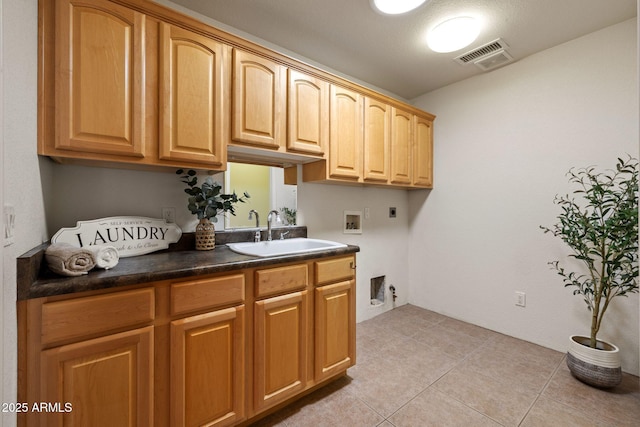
521 299
392 212
169 214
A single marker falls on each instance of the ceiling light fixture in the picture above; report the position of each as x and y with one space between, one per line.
453 34
395 7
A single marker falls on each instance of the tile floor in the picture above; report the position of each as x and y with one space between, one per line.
418 368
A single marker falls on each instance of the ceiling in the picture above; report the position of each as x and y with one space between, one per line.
390 52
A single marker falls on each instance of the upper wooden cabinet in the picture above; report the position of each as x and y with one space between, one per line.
346 133
194 81
133 83
401 145
307 113
259 101
118 86
374 142
99 78
423 152
377 123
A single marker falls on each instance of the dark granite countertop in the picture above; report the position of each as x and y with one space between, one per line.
35 280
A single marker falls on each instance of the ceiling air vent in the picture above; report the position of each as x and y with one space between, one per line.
488 56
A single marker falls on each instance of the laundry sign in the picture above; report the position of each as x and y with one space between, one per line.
131 236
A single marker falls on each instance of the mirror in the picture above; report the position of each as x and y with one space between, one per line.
265 185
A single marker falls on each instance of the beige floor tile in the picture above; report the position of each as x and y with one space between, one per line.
421 361
333 405
450 341
515 369
487 395
372 338
621 404
404 324
468 329
548 413
427 315
385 386
432 408
514 346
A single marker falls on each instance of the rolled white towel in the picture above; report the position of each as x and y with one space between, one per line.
105 256
68 260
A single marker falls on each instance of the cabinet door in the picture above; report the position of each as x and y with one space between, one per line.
401 145
193 97
107 381
423 153
207 369
280 348
346 134
377 124
335 325
99 94
259 101
308 113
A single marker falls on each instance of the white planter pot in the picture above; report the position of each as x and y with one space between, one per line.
599 367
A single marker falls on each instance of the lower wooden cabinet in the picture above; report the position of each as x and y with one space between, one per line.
107 381
214 350
207 369
334 336
280 348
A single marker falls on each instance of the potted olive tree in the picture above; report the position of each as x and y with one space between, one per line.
206 202
601 228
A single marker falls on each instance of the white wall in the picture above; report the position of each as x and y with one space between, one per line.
21 169
503 143
83 193
383 242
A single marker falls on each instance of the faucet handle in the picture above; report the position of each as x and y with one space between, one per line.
283 234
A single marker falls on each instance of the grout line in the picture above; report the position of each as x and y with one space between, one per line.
546 384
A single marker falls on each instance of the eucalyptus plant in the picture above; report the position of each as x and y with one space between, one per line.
207 200
289 214
601 228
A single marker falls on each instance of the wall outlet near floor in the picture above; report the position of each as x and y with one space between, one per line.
169 214
521 299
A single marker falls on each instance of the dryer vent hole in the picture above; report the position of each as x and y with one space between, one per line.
377 290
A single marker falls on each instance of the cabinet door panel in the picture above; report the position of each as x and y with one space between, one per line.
335 328
401 145
259 101
376 140
108 380
193 97
308 113
346 135
99 78
207 379
280 348
423 153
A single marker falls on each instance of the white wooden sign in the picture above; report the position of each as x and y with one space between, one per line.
131 236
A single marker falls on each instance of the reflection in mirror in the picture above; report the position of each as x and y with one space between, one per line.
267 189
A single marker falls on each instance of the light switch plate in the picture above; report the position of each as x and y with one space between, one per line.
9 221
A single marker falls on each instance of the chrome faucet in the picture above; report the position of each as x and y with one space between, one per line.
269 217
256 236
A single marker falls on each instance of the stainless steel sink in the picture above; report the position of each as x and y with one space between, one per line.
297 245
